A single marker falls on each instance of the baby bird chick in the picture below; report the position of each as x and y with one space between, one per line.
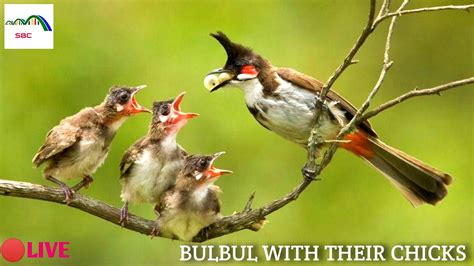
193 203
80 143
150 166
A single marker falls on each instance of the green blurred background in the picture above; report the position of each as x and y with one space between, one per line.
165 44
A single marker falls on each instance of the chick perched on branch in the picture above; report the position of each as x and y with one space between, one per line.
193 203
80 143
150 166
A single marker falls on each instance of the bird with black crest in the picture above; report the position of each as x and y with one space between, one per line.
283 101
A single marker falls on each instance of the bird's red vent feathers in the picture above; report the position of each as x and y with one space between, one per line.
359 144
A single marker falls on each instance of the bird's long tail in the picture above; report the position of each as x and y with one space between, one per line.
417 181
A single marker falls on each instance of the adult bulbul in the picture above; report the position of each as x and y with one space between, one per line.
283 101
193 203
151 164
80 143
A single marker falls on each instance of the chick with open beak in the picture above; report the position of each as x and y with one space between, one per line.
193 203
80 143
173 120
150 165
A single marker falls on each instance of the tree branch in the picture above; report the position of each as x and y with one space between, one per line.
83 203
315 139
385 67
414 93
249 218
348 60
422 10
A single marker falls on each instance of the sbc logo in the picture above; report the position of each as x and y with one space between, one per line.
29 26
13 250
23 35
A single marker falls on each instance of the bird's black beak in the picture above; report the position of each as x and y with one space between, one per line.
218 79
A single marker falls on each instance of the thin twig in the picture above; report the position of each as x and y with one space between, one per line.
248 205
422 10
385 8
329 141
385 68
315 139
348 59
414 93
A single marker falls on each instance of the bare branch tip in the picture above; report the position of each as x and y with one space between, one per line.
248 205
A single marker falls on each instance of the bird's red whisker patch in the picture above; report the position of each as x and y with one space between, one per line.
249 69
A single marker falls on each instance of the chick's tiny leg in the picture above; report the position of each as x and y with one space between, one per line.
156 230
124 214
68 192
85 182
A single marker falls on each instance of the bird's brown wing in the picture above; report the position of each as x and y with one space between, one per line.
66 134
308 83
57 140
130 156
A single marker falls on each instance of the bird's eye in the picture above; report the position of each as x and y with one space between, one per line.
123 97
164 109
202 163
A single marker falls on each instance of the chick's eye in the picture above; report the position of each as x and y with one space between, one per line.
165 110
123 97
202 163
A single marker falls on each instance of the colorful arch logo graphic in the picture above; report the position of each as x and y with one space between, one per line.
31 20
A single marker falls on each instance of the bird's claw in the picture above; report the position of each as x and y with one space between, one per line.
309 174
68 194
67 191
324 104
123 216
87 181
155 231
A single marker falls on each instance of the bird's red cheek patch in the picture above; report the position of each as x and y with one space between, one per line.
249 70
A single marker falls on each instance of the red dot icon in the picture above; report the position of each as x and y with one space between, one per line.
12 250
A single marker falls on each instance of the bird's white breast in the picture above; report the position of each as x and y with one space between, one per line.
150 176
89 156
290 114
